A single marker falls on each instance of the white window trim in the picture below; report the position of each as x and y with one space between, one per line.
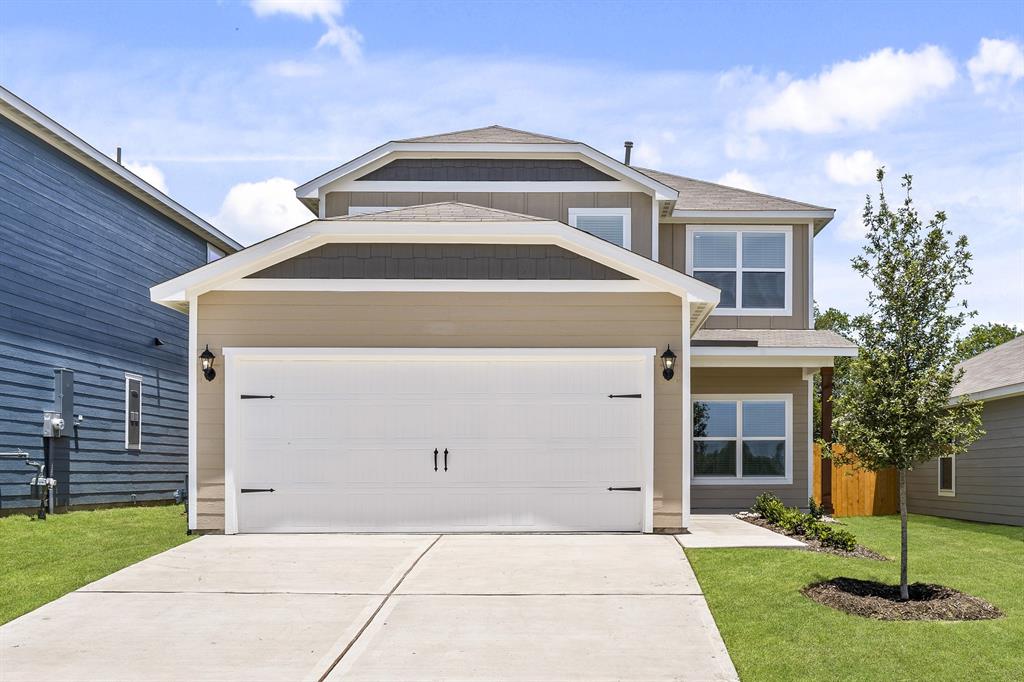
739 269
951 492
739 479
624 213
128 376
365 210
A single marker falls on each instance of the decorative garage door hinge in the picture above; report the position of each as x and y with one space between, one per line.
257 490
249 396
625 395
632 490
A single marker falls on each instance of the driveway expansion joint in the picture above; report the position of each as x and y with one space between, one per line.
362 629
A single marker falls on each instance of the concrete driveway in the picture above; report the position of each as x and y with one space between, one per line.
382 607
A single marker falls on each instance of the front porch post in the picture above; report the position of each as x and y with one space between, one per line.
826 435
685 360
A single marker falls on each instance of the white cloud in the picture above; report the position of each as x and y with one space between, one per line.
346 39
857 168
740 180
998 63
293 69
856 94
149 173
253 211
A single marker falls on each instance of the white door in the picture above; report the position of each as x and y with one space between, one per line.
523 443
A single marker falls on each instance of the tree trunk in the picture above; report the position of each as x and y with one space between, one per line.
904 589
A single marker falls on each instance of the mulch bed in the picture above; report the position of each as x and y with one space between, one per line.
813 545
882 602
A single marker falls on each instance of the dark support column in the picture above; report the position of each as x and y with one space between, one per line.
826 435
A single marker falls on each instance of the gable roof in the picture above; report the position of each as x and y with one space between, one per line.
996 373
470 225
440 212
60 138
700 195
493 134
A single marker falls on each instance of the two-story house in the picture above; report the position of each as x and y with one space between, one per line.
496 330
92 373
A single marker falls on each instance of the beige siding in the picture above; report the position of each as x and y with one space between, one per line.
551 205
989 478
756 380
328 319
672 252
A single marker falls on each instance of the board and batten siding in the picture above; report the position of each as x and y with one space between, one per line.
672 252
989 477
746 380
77 257
431 320
549 205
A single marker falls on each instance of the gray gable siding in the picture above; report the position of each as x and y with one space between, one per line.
439 261
78 256
989 478
487 170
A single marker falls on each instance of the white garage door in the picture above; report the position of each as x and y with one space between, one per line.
532 441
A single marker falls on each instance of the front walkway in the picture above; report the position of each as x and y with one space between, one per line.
373 607
725 530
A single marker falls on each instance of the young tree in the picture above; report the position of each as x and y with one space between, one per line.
985 336
894 410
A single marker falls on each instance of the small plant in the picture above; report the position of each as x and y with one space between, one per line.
793 522
815 509
769 507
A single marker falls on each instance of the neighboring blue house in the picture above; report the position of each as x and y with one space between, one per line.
81 241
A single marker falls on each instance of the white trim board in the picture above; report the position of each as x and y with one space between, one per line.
235 355
334 179
441 285
237 266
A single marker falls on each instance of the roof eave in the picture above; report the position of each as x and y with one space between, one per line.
661 191
57 136
820 217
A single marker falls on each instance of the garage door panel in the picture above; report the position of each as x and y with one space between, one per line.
348 445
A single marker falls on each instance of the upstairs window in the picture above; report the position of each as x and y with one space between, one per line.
751 265
610 224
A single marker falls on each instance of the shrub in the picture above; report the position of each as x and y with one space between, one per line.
769 507
839 538
815 509
793 522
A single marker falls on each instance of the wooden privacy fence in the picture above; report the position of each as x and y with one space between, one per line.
856 492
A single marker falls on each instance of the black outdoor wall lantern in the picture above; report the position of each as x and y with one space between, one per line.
207 357
668 362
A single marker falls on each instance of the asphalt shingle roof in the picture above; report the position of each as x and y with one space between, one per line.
492 134
441 212
700 195
995 368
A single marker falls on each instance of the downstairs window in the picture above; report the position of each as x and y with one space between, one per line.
742 439
947 476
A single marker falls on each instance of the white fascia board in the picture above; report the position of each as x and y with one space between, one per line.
814 362
445 285
49 131
311 189
826 215
349 185
763 351
319 232
1011 391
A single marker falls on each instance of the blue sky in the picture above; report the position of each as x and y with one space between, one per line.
231 104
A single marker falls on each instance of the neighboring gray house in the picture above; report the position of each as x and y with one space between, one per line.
81 241
473 333
986 483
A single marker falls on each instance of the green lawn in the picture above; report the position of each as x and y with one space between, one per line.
42 560
775 633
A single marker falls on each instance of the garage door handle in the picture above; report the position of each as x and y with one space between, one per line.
446 459
626 395
249 396
435 459
257 490
632 490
